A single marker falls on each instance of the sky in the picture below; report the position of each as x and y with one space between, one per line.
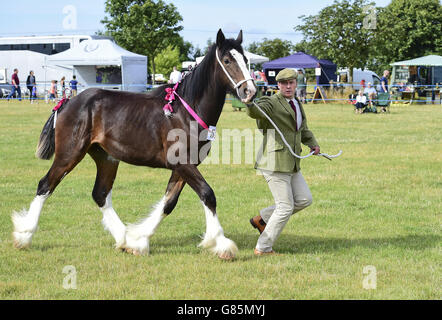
202 19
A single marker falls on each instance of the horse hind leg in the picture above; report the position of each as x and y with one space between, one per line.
102 193
138 235
26 221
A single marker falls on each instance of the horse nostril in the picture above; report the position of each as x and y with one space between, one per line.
246 92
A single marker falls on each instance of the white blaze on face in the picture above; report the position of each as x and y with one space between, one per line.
242 65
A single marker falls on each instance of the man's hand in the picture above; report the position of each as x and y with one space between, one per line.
316 150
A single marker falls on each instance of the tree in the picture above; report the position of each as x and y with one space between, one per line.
143 26
209 43
407 29
341 32
167 59
272 49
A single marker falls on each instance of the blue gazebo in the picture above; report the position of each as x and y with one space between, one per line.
300 60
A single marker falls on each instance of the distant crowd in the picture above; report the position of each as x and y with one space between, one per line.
57 90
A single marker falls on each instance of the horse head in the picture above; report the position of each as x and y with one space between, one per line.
233 63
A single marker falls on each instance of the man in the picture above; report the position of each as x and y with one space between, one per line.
301 88
284 178
175 76
371 93
15 85
73 83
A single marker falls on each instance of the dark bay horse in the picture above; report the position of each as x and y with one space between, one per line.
114 126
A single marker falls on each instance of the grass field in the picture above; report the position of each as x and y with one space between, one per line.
377 205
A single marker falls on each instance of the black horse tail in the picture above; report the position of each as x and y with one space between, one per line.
46 144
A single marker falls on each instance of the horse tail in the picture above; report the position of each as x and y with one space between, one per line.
46 144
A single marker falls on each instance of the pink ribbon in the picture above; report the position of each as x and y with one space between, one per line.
170 96
60 103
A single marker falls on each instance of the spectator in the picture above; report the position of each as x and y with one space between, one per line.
301 89
73 83
384 86
15 85
362 83
262 75
63 87
361 102
53 95
175 76
370 92
252 74
384 81
32 86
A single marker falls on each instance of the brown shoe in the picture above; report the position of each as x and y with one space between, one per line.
258 223
263 253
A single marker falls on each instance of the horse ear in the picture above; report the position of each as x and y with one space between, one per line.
220 38
239 38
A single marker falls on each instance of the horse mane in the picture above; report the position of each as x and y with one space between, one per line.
196 83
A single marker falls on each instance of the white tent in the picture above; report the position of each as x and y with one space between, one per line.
251 57
92 53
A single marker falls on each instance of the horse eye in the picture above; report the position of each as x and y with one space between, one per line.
226 61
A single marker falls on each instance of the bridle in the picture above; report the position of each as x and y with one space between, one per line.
237 84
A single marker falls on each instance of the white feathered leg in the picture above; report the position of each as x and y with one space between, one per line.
214 238
112 222
137 235
25 222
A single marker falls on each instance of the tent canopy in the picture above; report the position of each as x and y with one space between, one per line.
95 52
430 61
297 60
92 53
254 58
300 60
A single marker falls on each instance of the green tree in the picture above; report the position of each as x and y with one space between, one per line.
406 29
272 48
341 32
209 43
143 26
167 59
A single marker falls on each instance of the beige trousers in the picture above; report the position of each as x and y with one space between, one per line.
291 194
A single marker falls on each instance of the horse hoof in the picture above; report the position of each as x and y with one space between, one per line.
19 245
22 240
135 252
226 256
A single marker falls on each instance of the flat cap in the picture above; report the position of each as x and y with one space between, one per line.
286 74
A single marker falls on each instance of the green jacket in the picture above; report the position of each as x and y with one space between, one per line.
274 155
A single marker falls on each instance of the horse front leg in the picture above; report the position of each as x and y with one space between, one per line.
214 238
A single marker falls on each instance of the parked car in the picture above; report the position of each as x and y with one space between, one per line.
358 76
159 78
5 87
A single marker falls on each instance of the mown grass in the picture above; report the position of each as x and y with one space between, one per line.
378 204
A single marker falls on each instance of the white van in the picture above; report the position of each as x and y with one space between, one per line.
5 88
358 75
3 79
